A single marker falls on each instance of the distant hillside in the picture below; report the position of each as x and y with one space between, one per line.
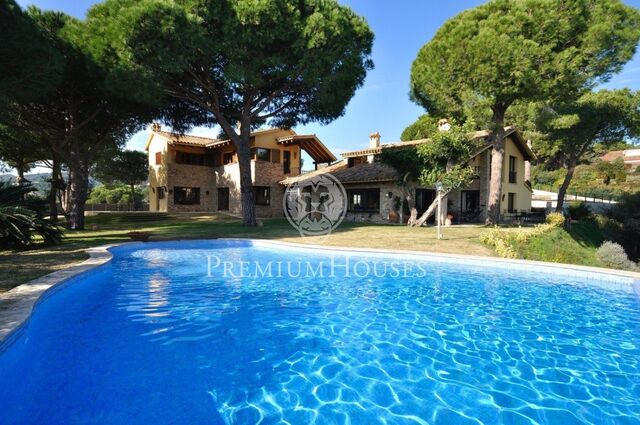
40 181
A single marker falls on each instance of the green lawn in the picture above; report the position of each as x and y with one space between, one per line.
577 246
22 266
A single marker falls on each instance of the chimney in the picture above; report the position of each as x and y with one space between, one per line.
443 124
156 126
374 140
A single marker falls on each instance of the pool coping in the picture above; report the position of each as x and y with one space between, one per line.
587 271
17 304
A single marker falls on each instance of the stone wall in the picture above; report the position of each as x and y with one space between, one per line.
263 173
386 202
269 174
191 176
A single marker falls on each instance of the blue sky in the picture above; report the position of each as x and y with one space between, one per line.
382 104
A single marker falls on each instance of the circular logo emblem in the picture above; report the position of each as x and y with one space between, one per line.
315 206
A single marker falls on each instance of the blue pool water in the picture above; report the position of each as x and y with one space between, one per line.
153 338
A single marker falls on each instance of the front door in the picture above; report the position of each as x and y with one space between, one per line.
424 198
469 206
159 196
286 162
223 199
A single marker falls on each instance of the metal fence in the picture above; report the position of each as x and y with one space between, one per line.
115 207
597 196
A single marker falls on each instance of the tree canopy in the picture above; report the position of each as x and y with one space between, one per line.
128 167
81 116
501 52
30 66
236 63
445 158
574 128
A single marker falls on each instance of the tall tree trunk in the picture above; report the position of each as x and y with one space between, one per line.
527 166
53 191
497 158
565 185
246 182
133 197
20 179
78 190
406 196
20 171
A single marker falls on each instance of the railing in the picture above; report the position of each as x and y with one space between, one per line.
597 196
513 176
115 207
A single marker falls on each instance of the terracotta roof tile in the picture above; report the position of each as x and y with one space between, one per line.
361 173
612 155
188 139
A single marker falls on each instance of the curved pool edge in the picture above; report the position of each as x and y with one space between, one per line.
599 273
17 304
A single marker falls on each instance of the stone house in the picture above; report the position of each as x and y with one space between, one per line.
373 191
201 174
630 157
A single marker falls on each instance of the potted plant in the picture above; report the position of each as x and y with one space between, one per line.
139 236
394 216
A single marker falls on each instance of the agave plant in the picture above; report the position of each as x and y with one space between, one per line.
21 219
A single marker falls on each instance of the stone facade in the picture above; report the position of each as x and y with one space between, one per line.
182 175
189 161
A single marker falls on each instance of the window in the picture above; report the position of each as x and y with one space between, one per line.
160 192
275 156
262 195
186 195
261 154
470 201
513 173
158 158
223 199
511 206
228 157
365 200
190 158
352 162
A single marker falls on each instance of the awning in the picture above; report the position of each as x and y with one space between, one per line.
310 144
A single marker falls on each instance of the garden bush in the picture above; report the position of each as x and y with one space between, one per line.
579 210
614 256
555 219
21 218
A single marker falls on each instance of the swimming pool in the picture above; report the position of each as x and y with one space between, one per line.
206 332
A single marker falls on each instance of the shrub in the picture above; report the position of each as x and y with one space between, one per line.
555 219
613 256
579 210
627 214
506 243
113 194
21 218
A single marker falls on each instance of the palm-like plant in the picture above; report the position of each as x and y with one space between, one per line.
21 219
